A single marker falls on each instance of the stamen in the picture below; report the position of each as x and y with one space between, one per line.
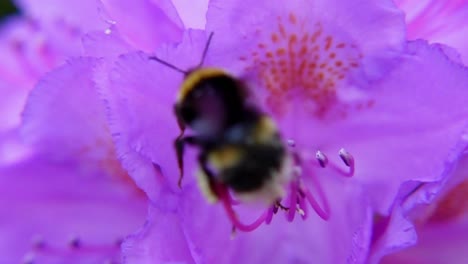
299 210
269 216
303 206
324 212
345 156
223 194
292 200
321 158
348 160
291 143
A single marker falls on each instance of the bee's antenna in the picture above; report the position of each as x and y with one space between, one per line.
205 51
168 64
172 66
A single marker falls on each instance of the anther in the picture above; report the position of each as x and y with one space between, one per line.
299 210
291 143
321 158
346 157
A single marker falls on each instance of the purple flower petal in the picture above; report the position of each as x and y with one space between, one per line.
64 116
398 131
81 14
54 213
29 49
101 44
431 210
438 21
372 29
206 230
139 94
143 23
193 13
171 245
438 244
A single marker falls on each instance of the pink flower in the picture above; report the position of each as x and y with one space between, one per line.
69 200
436 215
65 213
332 76
438 21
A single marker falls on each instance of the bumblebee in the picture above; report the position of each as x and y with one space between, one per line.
239 146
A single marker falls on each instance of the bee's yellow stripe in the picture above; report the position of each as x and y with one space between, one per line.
195 77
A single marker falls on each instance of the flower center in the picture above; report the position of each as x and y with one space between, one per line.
309 61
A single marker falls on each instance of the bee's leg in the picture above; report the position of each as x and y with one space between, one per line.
180 143
203 160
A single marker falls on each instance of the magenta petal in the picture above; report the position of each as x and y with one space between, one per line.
345 237
140 94
44 206
438 21
162 240
436 245
392 234
83 14
411 131
108 45
437 211
64 116
141 118
142 23
192 13
375 28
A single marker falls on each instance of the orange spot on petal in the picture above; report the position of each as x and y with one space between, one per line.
292 18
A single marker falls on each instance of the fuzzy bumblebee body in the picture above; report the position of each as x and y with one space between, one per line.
239 146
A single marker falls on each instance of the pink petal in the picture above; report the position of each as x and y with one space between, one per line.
143 23
27 51
162 240
109 44
81 14
375 28
192 13
206 229
44 206
140 94
64 115
438 212
438 21
412 130
436 245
